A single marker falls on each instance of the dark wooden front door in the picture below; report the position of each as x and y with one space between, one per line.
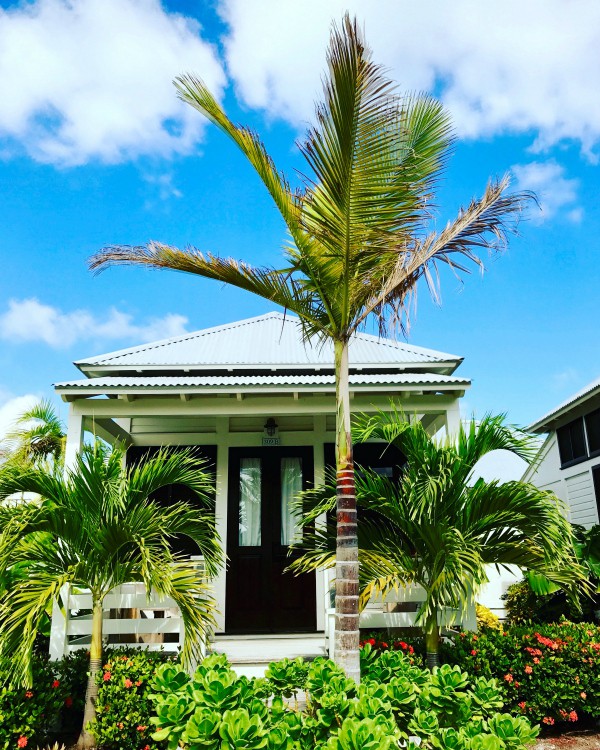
261 597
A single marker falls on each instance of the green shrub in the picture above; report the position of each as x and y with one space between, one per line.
486 618
34 715
549 673
524 606
396 701
123 707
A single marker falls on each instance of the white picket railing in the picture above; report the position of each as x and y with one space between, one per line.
130 618
399 610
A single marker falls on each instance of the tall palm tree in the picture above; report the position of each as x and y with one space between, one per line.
38 435
97 527
438 527
360 238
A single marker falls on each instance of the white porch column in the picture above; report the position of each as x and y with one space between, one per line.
60 619
222 473
74 436
320 428
453 418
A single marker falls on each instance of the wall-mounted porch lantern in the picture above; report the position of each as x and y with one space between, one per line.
271 433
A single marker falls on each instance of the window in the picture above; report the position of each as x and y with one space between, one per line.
571 442
596 478
592 427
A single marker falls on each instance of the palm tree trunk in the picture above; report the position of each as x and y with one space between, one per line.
347 637
86 738
432 641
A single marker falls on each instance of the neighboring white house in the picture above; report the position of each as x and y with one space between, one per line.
569 460
260 404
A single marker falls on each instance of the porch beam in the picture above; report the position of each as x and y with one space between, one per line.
109 431
280 405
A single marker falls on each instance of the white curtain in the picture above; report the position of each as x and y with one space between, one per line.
291 486
250 496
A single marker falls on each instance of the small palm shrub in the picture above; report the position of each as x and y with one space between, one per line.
396 701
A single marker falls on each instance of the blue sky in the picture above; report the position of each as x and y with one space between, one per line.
96 150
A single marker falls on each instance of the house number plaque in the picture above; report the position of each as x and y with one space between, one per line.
271 441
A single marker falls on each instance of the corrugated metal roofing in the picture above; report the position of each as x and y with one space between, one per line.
106 384
265 341
543 424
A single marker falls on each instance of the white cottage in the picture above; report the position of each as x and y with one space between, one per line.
259 403
569 460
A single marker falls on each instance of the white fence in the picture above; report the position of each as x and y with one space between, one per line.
399 610
130 618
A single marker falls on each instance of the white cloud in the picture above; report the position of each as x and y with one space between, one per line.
92 79
11 408
30 320
521 67
554 191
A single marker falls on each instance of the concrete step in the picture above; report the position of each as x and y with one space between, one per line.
251 655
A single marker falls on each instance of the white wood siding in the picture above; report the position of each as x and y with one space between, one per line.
573 485
582 501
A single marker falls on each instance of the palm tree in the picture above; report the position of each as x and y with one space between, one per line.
438 527
38 436
360 238
97 527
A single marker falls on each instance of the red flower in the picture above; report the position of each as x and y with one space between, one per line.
128 683
29 694
536 660
474 652
106 676
528 669
411 650
55 684
522 705
141 728
403 645
138 683
22 741
383 644
371 641
573 716
68 701
548 720
508 677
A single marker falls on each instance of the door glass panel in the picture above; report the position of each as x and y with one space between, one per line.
250 497
291 486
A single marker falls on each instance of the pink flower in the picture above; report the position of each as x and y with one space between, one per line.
106 676
528 669
138 683
508 677
128 683
548 720
141 728
573 716
22 741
